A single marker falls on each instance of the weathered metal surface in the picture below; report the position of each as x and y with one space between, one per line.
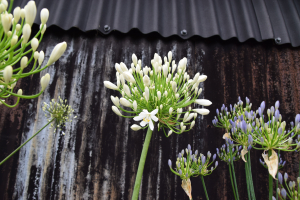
259 19
98 157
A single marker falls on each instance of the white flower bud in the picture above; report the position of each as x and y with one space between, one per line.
192 124
115 100
41 57
203 102
22 13
165 70
14 40
189 117
57 52
2 8
44 15
5 4
137 68
140 63
7 73
36 55
45 81
122 79
126 90
147 93
123 67
134 105
166 93
170 133
158 95
174 86
24 62
125 102
128 76
18 27
199 91
116 110
6 21
44 28
183 129
135 127
202 111
17 14
134 59
20 92
30 12
161 106
170 56
170 110
146 80
26 33
202 78
174 68
34 44
110 85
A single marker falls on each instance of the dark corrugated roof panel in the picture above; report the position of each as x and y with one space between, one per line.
243 19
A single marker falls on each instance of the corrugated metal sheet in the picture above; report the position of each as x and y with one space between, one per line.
98 156
258 19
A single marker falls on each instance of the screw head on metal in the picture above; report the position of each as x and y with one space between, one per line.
106 28
277 40
183 32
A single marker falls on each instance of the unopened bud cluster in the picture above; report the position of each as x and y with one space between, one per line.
59 111
15 30
193 164
228 152
166 87
292 188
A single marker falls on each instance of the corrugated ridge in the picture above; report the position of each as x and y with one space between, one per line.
261 20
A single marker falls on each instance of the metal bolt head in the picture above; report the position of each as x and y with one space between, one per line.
106 28
183 32
277 40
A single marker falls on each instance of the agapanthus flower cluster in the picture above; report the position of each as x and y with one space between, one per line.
60 111
292 188
15 31
164 94
192 165
224 152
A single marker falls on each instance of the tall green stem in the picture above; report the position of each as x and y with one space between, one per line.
202 179
233 172
232 184
270 181
139 174
277 176
247 179
25 143
250 176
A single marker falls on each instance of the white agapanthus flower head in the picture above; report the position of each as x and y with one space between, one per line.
164 94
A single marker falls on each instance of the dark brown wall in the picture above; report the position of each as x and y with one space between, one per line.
98 157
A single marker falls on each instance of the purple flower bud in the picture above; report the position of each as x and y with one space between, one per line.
277 115
291 184
241 118
249 147
223 107
292 124
250 139
196 152
226 110
180 172
244 126
217 150
189 147
277 105
273 198
235 118
216 164
182 152
194 159
184 160
228 159
280 178
253 123
285 176
283 163
297 119
272 110
170 163
279 131
247 101
262 106
203 159
283 193
233 158
230 107
214 157
262 140
217 111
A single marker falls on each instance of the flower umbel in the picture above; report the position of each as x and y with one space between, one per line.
165 89
60 111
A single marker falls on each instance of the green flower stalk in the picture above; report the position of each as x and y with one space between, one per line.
163 94
16 45
58 113
192 166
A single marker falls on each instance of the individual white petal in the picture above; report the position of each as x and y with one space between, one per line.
135 127
202 111
151 125
154 118
123 67
154 112
143 123
134 59
203 102
110 85
139 118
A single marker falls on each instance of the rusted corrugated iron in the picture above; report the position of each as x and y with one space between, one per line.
98 157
